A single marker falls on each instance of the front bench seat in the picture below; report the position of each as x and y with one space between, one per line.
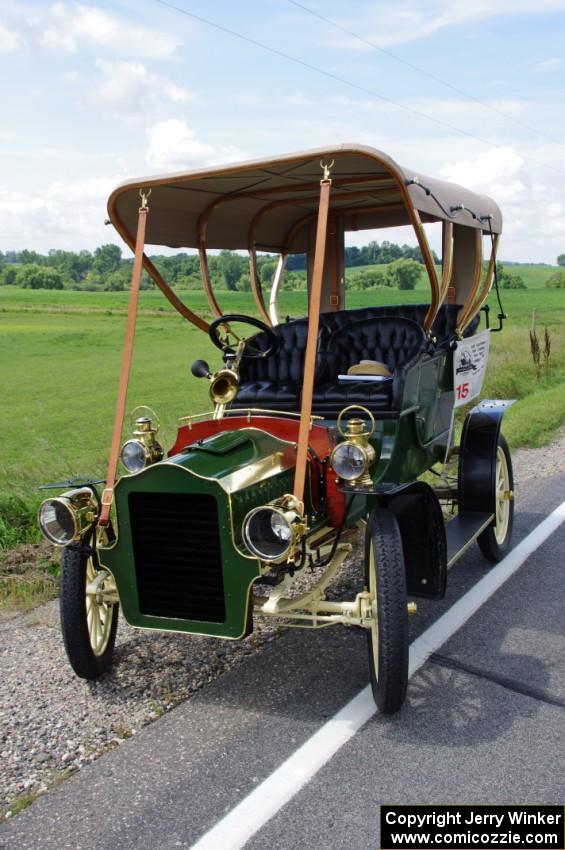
275 382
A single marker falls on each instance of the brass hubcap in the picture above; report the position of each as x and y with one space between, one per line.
98 611
502 497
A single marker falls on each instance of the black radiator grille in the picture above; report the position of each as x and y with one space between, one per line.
178 559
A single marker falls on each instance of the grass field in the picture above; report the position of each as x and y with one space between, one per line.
60 355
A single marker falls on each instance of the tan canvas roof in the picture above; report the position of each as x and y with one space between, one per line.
276 197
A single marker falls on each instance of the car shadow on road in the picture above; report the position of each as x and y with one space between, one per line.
471 705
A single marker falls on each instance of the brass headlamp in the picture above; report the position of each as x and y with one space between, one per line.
143 449
352 458
272 532
65 519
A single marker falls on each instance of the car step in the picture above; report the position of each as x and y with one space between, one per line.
463 530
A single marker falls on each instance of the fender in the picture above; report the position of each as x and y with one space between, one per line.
422 529
477 455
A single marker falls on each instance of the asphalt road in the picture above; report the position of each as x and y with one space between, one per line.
484 723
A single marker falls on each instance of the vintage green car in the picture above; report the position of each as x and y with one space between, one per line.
320 425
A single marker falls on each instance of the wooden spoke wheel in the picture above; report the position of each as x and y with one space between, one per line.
89 613
494 542
385 579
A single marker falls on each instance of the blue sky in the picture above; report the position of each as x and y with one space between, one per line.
96 92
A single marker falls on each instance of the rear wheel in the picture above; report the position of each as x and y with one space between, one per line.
89 613
388 636
494 542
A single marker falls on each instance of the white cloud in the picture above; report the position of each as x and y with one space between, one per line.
128 87
65 214
172 144
9 40
411 20
533 210
69 27
496 172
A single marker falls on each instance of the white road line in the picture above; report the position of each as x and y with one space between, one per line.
243 821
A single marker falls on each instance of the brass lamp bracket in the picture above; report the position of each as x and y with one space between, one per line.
326 169
364 433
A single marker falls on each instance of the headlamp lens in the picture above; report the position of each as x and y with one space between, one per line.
267 533
134 456
57 522
349 461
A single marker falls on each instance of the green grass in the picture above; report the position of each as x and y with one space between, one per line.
27 580
61 355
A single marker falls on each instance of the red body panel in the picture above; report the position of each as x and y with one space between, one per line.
322 441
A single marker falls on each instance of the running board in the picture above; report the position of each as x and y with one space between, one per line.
463 530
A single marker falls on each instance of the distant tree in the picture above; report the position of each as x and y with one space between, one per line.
404 273
73 266
230 265
556 281
34 276
107 259
513 281
9 275
366 279
296 262
507 279
294 281
93 282
561 260
27 257
352 256
244 283
390 252
267 272
117 281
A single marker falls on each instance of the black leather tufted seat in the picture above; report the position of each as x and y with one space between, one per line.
276 382
393 340
393 335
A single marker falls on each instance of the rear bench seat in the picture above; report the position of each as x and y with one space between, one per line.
393 335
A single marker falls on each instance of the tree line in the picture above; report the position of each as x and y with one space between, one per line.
106 269
373 265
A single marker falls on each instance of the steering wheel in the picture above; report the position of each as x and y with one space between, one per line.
250 352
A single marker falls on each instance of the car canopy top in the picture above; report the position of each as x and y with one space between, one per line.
272 205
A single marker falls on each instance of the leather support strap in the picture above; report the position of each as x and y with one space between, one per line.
312 342
333 263
108 494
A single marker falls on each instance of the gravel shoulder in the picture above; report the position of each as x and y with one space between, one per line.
52 723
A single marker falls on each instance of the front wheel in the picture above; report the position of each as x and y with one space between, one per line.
494 542
388 636
89 613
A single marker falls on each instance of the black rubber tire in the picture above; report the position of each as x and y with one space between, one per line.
390 681
492 549
74 624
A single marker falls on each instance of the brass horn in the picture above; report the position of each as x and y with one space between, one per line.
224 386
